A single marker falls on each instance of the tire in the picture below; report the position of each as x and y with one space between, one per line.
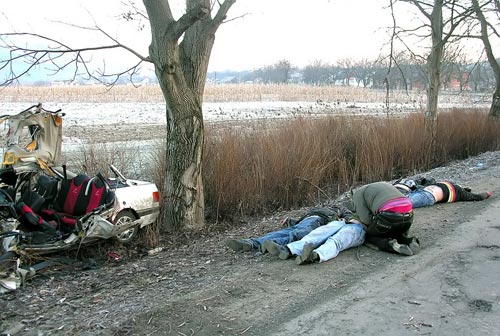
126 236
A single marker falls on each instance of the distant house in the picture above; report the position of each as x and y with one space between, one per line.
457 82
296 77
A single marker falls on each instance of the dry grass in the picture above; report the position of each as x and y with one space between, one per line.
260 167
213 93
93 158
307 162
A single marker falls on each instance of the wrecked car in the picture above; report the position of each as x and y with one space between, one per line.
46 208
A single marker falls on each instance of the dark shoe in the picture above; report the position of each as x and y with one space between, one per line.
308 256
244 245
314 257
272 248
414 245
400 248
285 254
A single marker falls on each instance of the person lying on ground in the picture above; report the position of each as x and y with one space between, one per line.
295 230
387 215
321 244
425 192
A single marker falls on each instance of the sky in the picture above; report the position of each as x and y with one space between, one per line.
258 32
301 32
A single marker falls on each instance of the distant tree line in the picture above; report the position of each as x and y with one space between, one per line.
456 75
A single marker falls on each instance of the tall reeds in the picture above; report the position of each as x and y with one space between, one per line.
302 162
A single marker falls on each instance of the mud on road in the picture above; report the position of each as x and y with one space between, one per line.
196 286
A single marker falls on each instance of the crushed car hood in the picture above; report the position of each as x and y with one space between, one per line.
34 135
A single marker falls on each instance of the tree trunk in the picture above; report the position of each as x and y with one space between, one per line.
182 192
495 103
181 69
434 68
183 186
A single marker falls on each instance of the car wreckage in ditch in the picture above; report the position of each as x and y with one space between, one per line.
45 208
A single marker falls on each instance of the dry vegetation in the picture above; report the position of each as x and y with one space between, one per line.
213 93
256 167
307 162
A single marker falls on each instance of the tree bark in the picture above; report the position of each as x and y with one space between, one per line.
181 69
434 66
495 103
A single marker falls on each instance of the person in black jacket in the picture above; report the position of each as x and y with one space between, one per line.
387 215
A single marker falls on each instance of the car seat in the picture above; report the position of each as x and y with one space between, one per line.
76 197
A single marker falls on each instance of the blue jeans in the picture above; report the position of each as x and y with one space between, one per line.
421 198
331 239
292 233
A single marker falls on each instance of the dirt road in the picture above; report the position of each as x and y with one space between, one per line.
448 289
199 287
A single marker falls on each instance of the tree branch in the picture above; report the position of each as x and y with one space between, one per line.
28 57
188 19
117 43
222 13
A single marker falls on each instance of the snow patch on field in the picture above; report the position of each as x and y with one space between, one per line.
83 114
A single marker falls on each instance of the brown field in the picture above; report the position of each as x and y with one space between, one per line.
213 93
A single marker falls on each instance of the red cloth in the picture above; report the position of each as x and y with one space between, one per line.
399 205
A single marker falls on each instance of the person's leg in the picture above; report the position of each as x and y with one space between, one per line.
280 237
387 244
245 245
453 192
350 235
316 237
291 234
412 242
378 243
421 198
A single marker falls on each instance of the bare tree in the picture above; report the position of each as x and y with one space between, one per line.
318 73
346 64
180 52
441 20
279 72
485 28
363 71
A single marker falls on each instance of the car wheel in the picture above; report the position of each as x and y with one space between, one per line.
124 217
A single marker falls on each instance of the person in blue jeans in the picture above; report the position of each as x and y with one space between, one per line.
425 192
321 244
296 230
